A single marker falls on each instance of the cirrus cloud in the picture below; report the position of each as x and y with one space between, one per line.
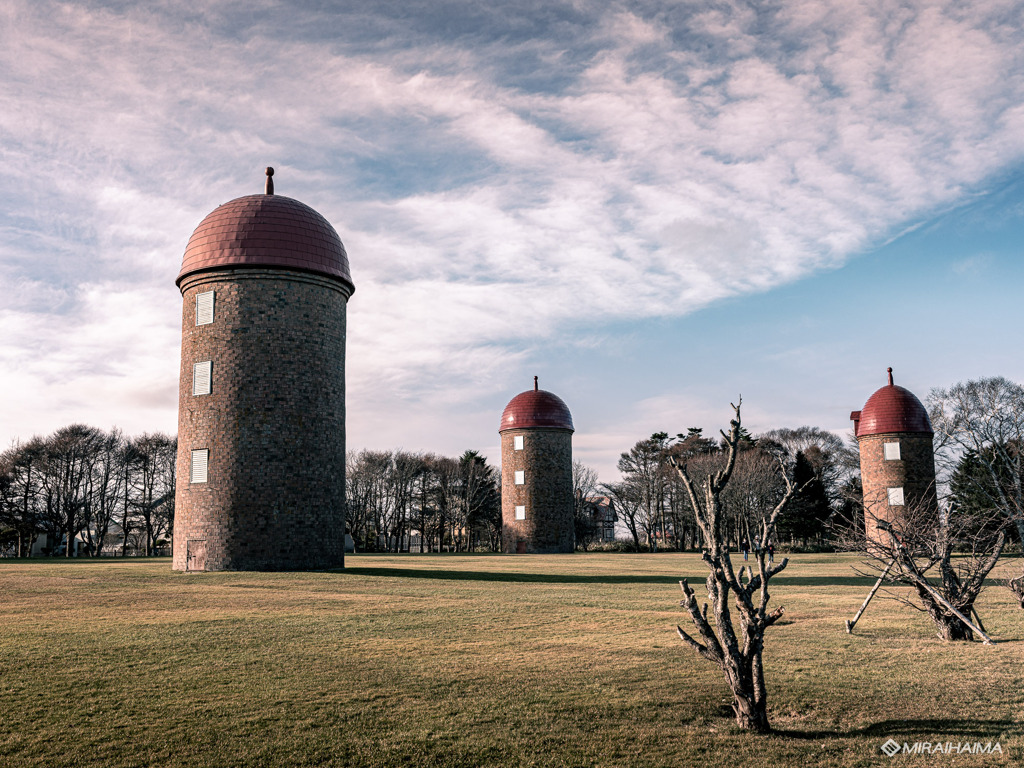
500 175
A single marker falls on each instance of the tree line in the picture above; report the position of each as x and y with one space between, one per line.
657 512
115 494
111 493
422 502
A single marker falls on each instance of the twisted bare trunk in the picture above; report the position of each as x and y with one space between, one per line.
738 654
1017 587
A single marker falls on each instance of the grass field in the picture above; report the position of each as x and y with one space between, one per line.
475 660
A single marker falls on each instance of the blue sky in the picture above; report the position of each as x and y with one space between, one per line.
653 206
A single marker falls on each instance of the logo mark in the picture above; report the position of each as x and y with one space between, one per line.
891 747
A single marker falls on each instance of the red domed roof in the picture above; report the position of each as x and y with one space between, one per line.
891 409
266 231
536 408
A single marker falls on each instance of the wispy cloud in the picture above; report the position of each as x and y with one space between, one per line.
972 266
500 175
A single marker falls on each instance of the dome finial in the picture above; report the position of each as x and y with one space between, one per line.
889 370
535 384
270 180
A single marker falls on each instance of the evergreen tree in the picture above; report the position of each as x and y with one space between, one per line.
806 517
975 494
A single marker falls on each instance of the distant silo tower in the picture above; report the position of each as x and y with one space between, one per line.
261 410
897 461
536 474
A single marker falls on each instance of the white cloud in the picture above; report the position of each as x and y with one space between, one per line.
491 194
106 363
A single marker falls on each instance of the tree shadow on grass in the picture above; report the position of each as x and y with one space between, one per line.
919 730
567 578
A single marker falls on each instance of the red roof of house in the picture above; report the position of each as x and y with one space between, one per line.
891 409
536 408
266 231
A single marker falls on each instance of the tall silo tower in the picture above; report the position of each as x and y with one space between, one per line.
536 474
897 460
261 412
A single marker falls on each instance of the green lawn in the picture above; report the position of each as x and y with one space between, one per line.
475 660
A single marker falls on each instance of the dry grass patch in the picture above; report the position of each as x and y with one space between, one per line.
473 660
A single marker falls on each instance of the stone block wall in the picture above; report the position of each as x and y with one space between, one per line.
914 471
546 460
274 422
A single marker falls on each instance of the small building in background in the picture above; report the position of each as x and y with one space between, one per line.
600 518
536 474
897 459
261 417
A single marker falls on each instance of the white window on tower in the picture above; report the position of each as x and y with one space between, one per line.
204 308
896 497
202 377
520 477
517 442
200 464
892 451
521 512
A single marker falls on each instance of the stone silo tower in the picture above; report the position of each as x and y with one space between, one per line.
536 474
261 411
897 461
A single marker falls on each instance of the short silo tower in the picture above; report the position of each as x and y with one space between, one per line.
536 474
897 460
261 413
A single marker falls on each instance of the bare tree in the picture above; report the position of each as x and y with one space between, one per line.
452 503
151 468
357 498
371 478
831 457
21 469
737 653
584 486
630 508
755 486
955 547
979 440
68 462
643 474
688 446
425 511
81 484
108 479
446 500
827 465
1016 586
984 419
406 468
